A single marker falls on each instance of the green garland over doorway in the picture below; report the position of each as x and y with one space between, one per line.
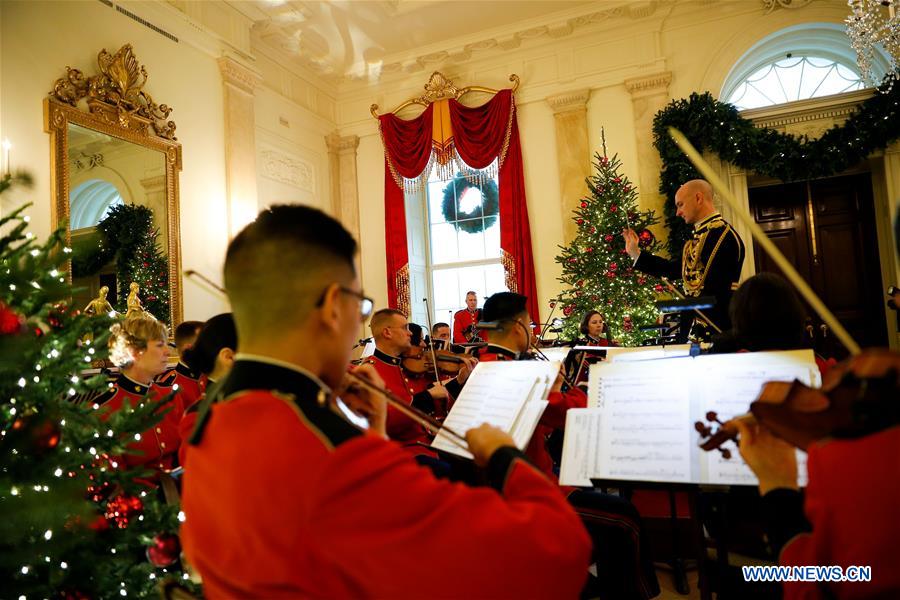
717 127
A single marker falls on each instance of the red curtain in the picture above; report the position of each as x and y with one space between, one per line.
481 135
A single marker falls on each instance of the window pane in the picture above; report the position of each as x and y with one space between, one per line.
471 245
446 294
443 244
450 286
435 200
792 79
492 240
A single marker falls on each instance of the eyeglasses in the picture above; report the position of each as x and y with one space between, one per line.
366 304
406 327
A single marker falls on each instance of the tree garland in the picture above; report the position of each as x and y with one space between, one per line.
717 127
489 207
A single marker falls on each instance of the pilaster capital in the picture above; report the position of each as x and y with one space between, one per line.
649 85
338 144
570 101
238 75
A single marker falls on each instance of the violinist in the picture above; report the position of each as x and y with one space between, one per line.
393 339
441 331
624 570
326 510
465 321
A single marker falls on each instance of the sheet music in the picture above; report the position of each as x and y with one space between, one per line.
556 354
640 421
496 393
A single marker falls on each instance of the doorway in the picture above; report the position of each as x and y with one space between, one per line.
826 228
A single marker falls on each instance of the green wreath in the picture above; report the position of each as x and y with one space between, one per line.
473 222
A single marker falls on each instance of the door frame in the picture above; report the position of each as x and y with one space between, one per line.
813 118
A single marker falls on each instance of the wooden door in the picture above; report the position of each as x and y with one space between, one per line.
826 228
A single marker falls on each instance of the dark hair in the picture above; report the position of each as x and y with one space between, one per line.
437 326
583 328
503 305
186 330
217 333
416 331
766 314
279 265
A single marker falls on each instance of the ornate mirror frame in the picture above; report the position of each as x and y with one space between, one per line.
116 106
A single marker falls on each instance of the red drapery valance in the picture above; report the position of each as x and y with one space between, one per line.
479 136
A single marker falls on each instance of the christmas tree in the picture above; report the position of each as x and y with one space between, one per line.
130 231
76 523
597 271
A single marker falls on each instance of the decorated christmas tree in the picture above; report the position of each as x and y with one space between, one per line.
128 230
76 523
597 272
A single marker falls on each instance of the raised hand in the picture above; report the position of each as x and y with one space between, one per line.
631 243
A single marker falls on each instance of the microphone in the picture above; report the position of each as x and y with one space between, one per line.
204 279
362 342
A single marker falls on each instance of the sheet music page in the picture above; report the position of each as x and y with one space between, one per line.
494 393
527 422
652 353
556 354
645 434
581 447
732 382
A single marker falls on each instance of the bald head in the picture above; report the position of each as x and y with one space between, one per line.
694 201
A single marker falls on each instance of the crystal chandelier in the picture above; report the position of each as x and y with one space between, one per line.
872 23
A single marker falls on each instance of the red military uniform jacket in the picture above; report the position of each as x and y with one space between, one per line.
851 504
307 506
189 386
554 416
463 319
401 428
158 447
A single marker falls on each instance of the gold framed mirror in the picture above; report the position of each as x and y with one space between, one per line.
114 174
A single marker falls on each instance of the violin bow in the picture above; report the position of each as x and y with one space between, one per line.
786 267
413 413
434 364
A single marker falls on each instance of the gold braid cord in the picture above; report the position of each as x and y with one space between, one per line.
692 274
401 284
509 270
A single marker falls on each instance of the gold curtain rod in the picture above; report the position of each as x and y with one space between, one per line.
439 87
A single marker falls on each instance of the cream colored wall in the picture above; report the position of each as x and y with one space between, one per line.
40 38
697 42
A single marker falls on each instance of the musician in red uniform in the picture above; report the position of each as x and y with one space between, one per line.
624 569
212 356
139 347
466 320
393 338
182 378
285 499
848 516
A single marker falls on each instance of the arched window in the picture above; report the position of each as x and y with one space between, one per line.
797 63
91 201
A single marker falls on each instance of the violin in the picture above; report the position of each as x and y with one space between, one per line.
418 362
859 397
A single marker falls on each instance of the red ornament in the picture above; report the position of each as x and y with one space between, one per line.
610 274
613 266
626 189
642 280
573 260
10 322
618 180
581 221
584 205
604 161
165 550
33 433
608 237
99 524
568 310
122 508
627 325
593 230
589 249
645 238
553 305
579 283
614 208
578 293
658 288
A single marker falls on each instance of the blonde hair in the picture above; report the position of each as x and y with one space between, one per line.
132 335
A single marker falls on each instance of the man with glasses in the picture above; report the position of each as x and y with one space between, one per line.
393 339
286 499
624 570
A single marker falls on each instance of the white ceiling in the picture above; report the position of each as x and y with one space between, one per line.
354 39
